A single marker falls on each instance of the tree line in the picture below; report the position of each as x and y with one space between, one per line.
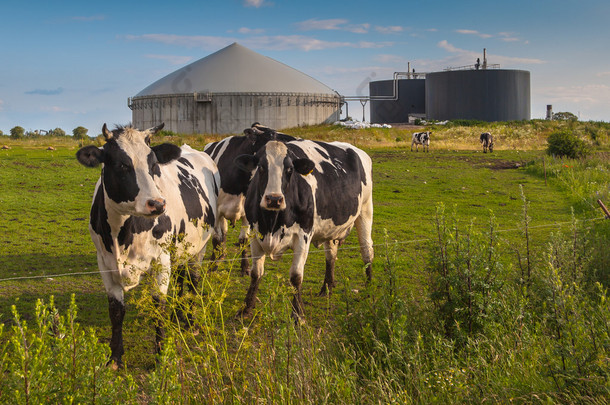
19 132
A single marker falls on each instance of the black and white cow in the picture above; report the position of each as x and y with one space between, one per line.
234 182
148 201
306 192
421 138
487 141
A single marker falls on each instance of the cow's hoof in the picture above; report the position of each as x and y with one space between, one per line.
115 364
325 291
244 313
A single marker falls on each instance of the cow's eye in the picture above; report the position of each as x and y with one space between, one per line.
289 170
124 167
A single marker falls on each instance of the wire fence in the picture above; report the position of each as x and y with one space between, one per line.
318 251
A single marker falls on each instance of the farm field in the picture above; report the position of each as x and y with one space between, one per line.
45 250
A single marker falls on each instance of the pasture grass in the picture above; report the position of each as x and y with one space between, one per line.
386 342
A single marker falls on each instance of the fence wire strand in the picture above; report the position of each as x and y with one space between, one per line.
317 251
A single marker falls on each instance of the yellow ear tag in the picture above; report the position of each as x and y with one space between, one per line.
310 172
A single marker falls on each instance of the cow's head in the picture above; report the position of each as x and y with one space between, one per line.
129 167
274 173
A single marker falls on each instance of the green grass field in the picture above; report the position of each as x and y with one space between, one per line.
45 250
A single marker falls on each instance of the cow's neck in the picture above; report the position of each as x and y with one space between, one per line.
115 220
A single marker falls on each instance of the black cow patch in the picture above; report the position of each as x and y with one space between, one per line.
119 175
132 226
164 225
190 189
153 165
186 162
99 219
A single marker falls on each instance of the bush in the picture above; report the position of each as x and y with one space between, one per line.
17 132
57 132
80 133
566 144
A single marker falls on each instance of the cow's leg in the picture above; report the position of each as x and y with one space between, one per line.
300 249
219 240
243 241
330 250
364 226
256 273
116 312
163 279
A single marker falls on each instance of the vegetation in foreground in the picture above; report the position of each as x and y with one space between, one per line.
478 312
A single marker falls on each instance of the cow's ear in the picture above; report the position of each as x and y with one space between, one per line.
152 131
251 135
304 166
90 156
166 152
247 163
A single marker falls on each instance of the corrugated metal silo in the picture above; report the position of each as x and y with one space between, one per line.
230 89
394 105
485 94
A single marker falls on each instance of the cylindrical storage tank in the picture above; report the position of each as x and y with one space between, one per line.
485 95
410 99
227 91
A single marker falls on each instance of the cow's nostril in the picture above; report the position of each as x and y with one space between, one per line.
273 201
156 206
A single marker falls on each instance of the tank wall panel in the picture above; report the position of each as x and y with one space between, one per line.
411 100
232 113
486 95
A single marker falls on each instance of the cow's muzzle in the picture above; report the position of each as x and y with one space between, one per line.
156 206
274 202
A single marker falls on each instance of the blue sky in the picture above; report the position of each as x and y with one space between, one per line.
68 63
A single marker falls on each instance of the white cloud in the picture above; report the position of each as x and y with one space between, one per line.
285 42
198 41
172 59
255 3
313 24
508 37
466 57
392 29
603 74
444 44
474 32
253 31
333 24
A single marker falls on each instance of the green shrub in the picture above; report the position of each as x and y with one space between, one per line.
566 144
17 132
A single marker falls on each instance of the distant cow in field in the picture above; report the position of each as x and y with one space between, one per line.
306 192
234 182
148 202
487 141
421 138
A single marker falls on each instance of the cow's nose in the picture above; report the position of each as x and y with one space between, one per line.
156 206
274 201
